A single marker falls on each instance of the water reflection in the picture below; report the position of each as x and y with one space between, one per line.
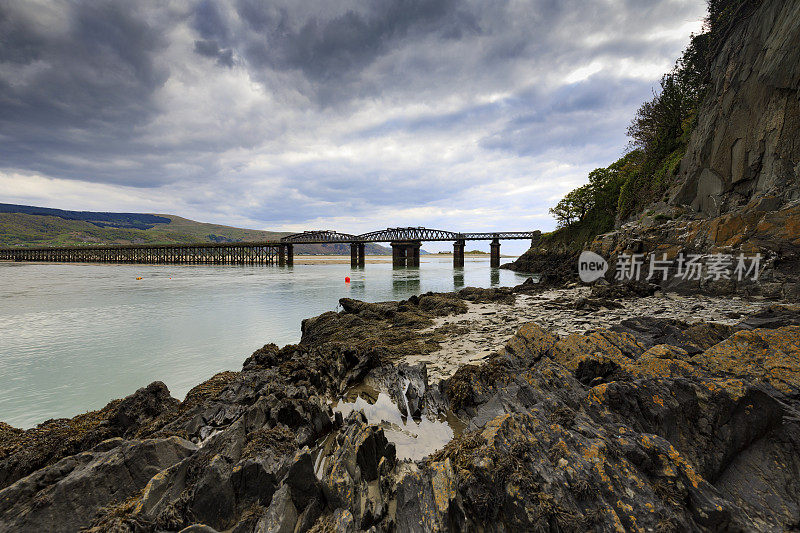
413 439
405 280
494 277
458 278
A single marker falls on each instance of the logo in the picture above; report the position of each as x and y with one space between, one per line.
591 266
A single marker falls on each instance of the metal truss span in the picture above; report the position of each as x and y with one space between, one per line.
403 234
408 234
319 236
503 235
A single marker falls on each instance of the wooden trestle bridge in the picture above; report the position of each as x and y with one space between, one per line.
405 243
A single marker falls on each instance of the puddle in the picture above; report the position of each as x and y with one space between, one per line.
413 439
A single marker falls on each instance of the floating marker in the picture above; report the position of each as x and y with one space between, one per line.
139 278
347 279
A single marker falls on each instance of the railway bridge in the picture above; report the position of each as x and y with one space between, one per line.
405 242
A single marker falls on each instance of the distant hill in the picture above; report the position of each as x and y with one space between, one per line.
22 225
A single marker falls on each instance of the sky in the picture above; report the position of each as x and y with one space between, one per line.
347 115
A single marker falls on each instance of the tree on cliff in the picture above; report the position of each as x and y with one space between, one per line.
574 206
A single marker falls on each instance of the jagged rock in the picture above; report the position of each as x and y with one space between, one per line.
65 496
619 347
530 343
774 316
353 472
440 304
650 331
255 480
430 501
303 484
389 328
142 406
214 499
772 356
632 289
553 266
595 304
481 295
343 521
23 452
281 517
527 286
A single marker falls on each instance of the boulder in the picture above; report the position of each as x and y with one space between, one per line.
24 452
759 355
66 495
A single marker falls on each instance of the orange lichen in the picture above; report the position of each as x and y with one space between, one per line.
657 399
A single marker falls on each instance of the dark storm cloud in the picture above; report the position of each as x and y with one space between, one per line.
100 68
325 49
224 57
73 88
340 106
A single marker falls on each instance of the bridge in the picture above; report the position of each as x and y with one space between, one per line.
405 242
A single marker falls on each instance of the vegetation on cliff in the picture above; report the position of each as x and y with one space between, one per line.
659 135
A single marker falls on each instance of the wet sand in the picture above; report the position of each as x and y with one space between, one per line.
486 327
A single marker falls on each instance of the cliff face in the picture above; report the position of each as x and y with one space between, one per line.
738 187
747 139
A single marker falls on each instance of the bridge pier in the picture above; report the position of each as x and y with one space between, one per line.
357 254
398 253
494 256
290 254
405 253
282 255
353 255
458 253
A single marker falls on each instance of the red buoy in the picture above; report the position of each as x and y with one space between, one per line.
347 279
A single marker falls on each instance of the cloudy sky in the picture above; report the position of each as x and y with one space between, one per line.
348 115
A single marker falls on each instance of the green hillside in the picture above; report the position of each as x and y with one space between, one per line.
24 229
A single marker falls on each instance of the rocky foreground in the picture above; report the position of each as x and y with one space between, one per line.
646 423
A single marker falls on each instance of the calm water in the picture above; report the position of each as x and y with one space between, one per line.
74 336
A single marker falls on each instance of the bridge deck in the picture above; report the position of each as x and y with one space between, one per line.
264 252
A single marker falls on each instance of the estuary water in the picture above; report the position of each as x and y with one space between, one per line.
75 336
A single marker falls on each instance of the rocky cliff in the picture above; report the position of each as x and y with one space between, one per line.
745 144
738 186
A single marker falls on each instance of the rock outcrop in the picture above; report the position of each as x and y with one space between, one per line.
652 424
738 188
65 495
23 452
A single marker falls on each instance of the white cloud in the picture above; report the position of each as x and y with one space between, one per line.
462 115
